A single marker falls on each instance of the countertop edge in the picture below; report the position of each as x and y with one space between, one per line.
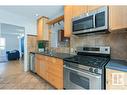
115 64
57 55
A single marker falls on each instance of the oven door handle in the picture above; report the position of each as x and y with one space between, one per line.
91 75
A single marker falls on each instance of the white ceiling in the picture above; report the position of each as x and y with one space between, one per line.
31 11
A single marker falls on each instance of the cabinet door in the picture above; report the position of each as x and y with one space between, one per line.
67 21
42 28
43 69
31 43
55 81
36 67
45 30
116 79
117 17
78 10
37 64
39 28
92 8
55 72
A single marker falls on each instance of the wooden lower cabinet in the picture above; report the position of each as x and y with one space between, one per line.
51 69
116 80
55 80
43 69
37 64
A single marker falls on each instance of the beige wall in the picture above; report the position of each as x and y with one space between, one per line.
117 40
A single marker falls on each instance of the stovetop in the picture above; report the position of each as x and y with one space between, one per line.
89 60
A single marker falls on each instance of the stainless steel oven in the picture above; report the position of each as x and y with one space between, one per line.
75 78
86 70
94 21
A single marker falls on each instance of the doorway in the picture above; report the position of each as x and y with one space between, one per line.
11 50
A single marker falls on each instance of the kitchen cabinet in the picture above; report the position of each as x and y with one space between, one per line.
37 64
116 79
50 69
55 72
43 67
73 11
42 28
67 21
78 10
69 13
92 8
61 35
117 17
32 43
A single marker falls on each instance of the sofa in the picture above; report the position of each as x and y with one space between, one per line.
13 55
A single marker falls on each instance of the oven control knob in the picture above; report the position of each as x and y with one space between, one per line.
95 70
91 69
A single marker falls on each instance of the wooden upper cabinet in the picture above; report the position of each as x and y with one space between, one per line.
32 43
92 8
78 10
67 21
42 29
117 17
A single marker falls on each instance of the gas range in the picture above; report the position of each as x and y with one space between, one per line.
89 61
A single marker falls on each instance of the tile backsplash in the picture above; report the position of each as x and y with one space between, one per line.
61 49
117 40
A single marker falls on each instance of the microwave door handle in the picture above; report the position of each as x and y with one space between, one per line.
94 21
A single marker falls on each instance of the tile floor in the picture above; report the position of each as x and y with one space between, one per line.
12 76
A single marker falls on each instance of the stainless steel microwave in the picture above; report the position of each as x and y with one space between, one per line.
94 21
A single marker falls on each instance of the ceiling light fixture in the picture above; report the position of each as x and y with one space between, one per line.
36 15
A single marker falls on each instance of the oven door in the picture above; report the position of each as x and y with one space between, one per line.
76 79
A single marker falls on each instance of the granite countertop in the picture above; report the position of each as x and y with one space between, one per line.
56 55
115 64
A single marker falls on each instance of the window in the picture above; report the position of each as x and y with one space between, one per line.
2 43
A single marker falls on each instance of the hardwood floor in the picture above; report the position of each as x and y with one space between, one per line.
12 76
